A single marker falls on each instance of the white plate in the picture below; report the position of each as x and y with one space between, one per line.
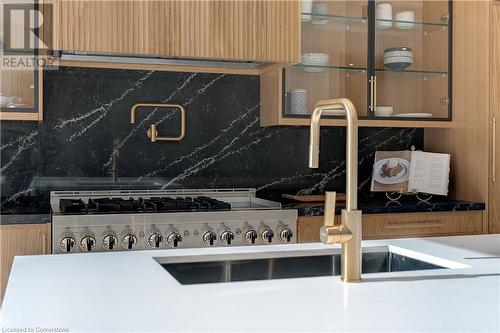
313 69
400 177
414 115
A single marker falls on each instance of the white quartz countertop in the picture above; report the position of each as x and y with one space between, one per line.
130 291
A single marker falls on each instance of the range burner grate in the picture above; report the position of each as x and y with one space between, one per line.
140 205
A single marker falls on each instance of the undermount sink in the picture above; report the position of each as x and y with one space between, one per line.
282 265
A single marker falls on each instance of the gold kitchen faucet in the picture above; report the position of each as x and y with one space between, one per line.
348 232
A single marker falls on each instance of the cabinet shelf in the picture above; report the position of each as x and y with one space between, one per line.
346 22
365 122
425 27
330 67
411 71
330 22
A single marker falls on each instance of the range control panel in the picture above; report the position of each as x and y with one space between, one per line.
97 233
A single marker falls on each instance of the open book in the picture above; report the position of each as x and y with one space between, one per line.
408 171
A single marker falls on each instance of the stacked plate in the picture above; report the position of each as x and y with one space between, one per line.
315 59
398 58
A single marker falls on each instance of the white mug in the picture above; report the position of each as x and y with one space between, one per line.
306 7
383 15
320 9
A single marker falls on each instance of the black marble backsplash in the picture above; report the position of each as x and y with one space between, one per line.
87 122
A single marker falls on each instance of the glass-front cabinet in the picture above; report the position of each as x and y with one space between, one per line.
391 58
20 76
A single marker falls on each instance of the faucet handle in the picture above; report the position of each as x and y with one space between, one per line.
335 234
329 232
329 210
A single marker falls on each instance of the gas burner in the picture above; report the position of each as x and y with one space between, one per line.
138 205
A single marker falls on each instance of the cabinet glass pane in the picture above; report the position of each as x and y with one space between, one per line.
17 87
334 57
411 58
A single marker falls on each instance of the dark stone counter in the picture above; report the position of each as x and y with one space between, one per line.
404 206
37 209
379 204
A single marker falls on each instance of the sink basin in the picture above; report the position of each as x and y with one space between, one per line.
287 264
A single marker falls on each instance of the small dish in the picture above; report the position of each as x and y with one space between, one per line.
383 111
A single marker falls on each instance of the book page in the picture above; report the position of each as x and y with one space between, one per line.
429 172
390 171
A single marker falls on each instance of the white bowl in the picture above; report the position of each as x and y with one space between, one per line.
383 111
405 19
6 100
315 58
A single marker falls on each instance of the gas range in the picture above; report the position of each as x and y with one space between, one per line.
85 221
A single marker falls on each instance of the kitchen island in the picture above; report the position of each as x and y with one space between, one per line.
131 291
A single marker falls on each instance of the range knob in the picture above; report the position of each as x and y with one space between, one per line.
250 236
67 244
173 239
209 238
87 243
267 235
286 235
226 237
129 241
155 240
109 242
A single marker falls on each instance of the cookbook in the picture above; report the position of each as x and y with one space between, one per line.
411 171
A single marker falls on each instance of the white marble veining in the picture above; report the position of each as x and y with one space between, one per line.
198 150
100 111
23 142
130 292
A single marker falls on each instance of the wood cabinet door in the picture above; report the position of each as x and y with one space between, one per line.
250 30
494 188
381 226
21 239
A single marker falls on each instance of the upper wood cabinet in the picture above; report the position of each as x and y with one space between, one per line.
392 59
20 77
261 31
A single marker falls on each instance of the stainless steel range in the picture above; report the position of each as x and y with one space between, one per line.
143 220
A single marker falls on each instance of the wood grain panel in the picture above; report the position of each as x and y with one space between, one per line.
21 239
468 142
422 225
380 226
249 30
494 189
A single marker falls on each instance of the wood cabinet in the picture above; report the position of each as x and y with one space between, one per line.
250 30
345 54
470 142
494 185
20 85
380 226
21 239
